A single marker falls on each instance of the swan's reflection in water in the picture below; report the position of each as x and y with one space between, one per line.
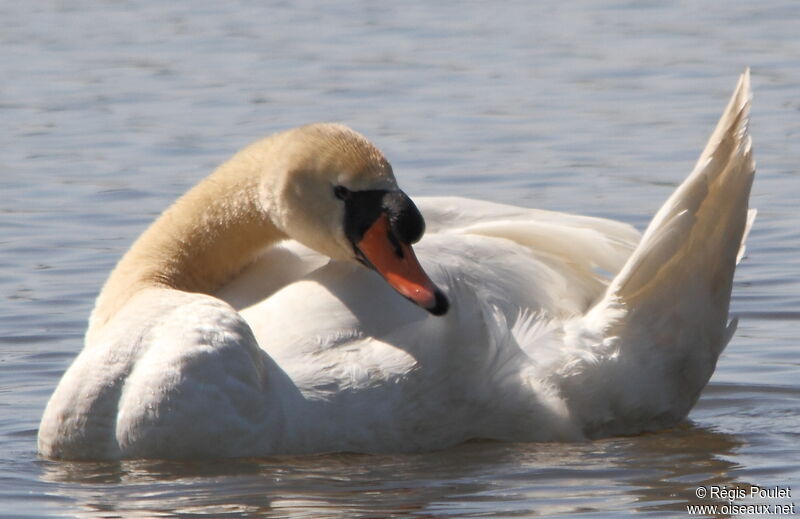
653 472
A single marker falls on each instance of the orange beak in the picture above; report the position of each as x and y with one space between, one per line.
398 265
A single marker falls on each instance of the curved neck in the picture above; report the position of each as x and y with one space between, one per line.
199 243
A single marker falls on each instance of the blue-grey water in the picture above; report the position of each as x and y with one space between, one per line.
109 110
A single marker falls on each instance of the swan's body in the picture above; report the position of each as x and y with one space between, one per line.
213 337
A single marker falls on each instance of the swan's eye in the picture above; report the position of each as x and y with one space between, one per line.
341 192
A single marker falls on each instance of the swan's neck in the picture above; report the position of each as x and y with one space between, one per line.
198 244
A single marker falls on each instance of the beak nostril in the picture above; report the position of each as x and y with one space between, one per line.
398 249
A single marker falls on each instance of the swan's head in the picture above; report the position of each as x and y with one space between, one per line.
330 189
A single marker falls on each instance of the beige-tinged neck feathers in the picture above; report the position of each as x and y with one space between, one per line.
197 244
278 187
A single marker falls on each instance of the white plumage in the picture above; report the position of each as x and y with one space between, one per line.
299 354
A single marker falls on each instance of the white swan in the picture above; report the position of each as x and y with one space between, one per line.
211 338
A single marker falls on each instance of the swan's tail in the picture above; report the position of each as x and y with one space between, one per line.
666 312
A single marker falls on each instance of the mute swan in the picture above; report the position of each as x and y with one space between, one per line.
226 330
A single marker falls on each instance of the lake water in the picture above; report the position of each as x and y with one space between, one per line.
109 110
